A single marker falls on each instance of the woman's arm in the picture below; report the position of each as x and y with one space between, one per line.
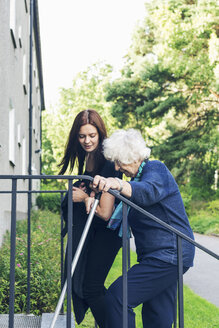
105 207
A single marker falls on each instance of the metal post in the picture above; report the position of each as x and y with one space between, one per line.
76 257
28 250
124 266
30 154
175 313
69 252
180 282
129 255
62 252
13 252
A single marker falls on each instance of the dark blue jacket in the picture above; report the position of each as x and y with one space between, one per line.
157 192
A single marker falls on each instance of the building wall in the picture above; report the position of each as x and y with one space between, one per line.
14 106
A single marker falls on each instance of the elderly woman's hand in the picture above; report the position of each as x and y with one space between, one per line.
104 184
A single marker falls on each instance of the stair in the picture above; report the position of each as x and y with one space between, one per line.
60 323
31 321
21 321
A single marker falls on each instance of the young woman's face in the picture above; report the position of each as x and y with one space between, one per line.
88 137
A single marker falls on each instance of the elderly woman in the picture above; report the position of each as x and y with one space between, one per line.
153 281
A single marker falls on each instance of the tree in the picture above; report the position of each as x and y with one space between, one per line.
169 85
87 91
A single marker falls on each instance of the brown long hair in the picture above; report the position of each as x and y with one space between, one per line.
73 149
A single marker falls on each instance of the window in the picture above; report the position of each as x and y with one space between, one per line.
19 135
26 8
34 65
24 155
24 74
20 36
12 136
34 119
13 21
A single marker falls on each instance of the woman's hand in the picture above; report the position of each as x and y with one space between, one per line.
104 184
89 201
82 186
78 195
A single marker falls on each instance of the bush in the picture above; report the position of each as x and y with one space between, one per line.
49 202
187 197
204 217
45 265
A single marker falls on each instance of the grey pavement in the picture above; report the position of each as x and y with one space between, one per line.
60 323
203 278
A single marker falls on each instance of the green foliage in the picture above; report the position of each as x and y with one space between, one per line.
187 198
169 88
45 265
87 91
49 202
204 218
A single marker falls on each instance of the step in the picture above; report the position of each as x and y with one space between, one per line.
60 323
21 321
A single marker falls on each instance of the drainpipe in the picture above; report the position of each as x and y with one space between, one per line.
30 153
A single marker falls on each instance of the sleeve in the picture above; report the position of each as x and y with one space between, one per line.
152 188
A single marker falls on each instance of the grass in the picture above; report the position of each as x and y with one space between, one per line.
198 312
45 260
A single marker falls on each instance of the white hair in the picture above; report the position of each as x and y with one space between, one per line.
126 147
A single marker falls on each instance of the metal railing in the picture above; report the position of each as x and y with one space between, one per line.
125 243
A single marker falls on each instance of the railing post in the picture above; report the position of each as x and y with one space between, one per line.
28 247
124 265
13 252
180 282
175 313
69 252
129 255
30 148
62 251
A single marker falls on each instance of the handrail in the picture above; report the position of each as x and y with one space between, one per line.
125 201
112 192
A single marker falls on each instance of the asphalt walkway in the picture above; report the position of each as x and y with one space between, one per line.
203 278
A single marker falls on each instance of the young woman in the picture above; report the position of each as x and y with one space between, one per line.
84 149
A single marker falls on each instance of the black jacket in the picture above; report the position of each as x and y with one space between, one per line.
79 221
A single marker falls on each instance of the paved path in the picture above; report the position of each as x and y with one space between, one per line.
203 278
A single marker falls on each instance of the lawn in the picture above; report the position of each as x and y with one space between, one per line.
198 312
45 275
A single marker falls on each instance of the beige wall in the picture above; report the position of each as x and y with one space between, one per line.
14 97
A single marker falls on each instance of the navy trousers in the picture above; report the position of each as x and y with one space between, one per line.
152 283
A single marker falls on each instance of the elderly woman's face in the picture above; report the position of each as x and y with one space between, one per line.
130 170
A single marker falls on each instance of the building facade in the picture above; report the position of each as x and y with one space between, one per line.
21 97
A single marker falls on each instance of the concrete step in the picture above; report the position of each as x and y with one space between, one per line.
60 323
21 321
